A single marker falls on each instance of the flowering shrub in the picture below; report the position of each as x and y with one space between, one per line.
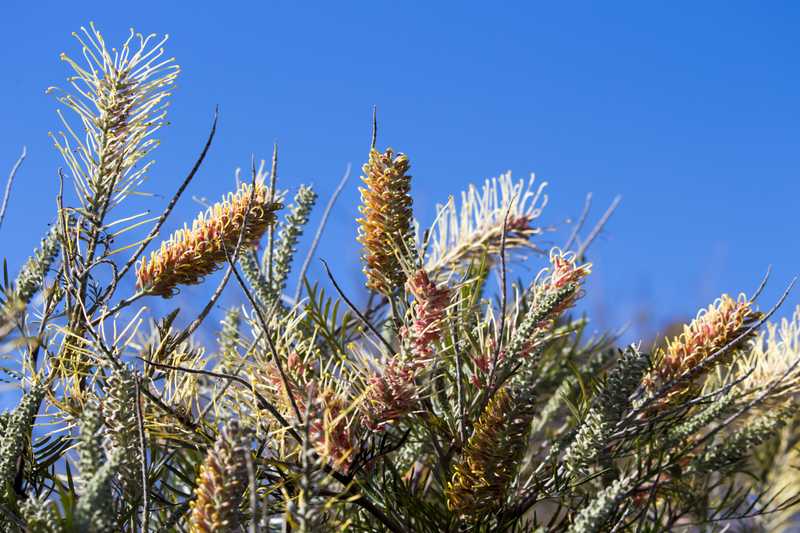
444 404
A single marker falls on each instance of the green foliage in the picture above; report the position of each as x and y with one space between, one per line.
33 272
291 229
16 435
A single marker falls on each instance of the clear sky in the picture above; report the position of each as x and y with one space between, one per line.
689 110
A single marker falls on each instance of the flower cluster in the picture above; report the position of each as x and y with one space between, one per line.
552 296
773 361
221 483
433 404
481 479
429 308
191 254
556 290
715 328
385 227
564 273
474 230
392 394
120 98
333 420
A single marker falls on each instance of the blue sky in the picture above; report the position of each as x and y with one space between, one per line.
688 110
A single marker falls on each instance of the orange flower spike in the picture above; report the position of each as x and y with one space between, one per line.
714 328
191 254
385 227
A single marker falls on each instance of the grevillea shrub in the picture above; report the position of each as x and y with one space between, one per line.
458 398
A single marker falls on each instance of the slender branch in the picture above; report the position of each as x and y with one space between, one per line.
503 296
598 228
761 285
10 181
355 309
262 402
120 305
320 229
374 127
587 205
174 200
143 458
273 181
219 394
265 328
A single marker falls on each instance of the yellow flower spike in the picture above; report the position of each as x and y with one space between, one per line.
481 478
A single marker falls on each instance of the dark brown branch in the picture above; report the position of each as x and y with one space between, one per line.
355 309
174 200
262 402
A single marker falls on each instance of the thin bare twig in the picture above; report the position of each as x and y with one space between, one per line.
10 181
265 328
355 309
598 228
318 235
374 127
587 205
262 402
761 285
503 296
143 458
273 181
174 200
219 394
